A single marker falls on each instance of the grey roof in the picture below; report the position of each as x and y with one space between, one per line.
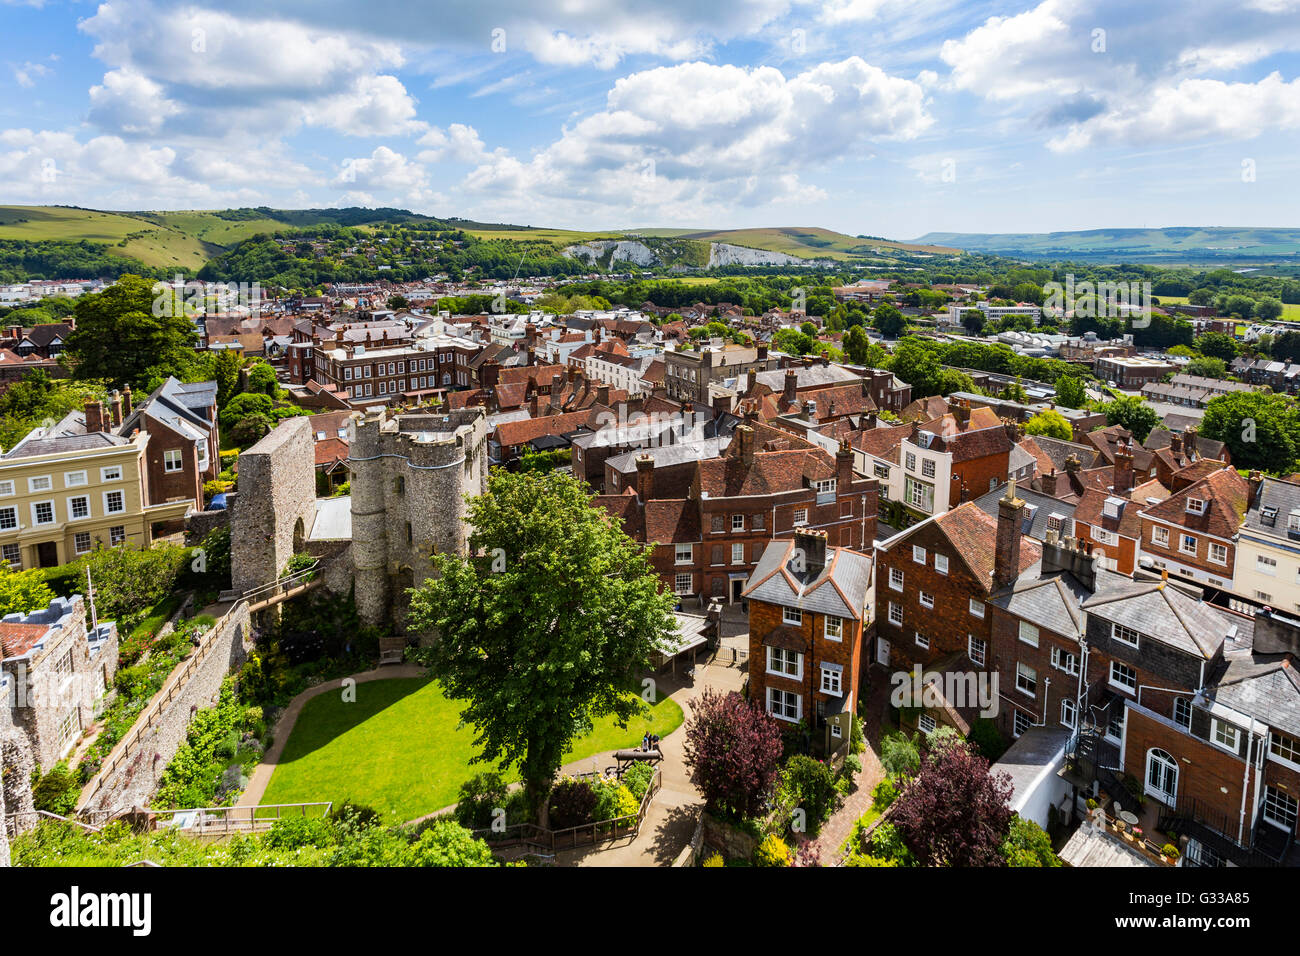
667 454
1164 612
333 520
1050 602
1038 508
1265 687
1037 753
1019 458
62 438
807 377
846 573
1282 498
1058 451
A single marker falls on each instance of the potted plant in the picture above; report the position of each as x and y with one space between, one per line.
1121 827
1136 835
1092 804
1169 853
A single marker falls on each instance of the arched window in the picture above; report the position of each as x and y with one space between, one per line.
1162 776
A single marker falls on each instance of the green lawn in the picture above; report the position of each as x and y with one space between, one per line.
400 749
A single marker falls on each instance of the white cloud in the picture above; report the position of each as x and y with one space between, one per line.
383 170
131 103
26 74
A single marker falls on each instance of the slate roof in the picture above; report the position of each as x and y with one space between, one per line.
840 589
1051 602
1284 498
1265 687
1055 451
1167 614
1039 507
812 376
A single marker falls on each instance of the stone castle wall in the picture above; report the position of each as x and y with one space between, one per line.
275 506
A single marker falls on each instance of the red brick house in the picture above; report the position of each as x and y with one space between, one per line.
809 607
1193 533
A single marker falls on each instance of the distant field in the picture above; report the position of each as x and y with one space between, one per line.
37 223
1173 245
1290 310
812 242
564 236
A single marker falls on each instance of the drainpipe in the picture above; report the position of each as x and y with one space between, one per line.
1245 783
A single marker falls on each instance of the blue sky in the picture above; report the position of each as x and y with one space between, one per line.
875 117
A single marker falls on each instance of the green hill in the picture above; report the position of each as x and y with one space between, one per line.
1173 244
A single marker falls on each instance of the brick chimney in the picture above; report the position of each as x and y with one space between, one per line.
826 358
791 385
1006 557
1123 483
126 400
762 353
645 472
1176 443
94 416
813 545
1048 483
745 435
1189 440
1072 464
489 374
115 408
602 394
844 466
961 412
532 405
1255 482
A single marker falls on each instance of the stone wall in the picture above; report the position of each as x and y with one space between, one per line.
731 842
274 510
133 782
16 766
199 523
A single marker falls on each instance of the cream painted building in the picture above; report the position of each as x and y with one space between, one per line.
1267 569
62 495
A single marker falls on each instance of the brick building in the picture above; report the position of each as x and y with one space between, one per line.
809 608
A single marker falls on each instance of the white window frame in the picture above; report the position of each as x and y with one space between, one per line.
738 553
72 515
117 535
977 649
114 511
1020 722
832 679
896 573
1068 712
918 554
76 542
1183 538
1218 553
1222 732
1065 661
54 514
683 554
792 616
833 628
1028 634
927 599
784 698
1120 634
170 455
7 488
779 663
926 724
75 479
737 522
1030 676
110 473
40 483
941 563
1284 749
895 614
12 512
922 640
11 554
1264 564
1160 536
977 608
1123 685
800 517
683 587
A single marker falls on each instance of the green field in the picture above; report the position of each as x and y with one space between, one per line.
1290 310
812 242
400 748
1173 244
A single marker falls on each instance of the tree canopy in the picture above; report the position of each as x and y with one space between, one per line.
119 339
536 672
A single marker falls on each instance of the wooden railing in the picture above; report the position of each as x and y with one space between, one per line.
14 821
266 594
170 690
203 821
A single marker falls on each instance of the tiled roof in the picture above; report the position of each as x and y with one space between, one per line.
511 434
17 639
1165 613
974 534
1225 493
840 589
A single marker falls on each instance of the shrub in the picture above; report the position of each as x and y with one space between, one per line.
1027 845
809 785
637 779
447 843
714 859
887 845
852 766
772 851
613 800
899 755
987 739
1170 851
479 797
886 793
56 791
572 803
352 817
293 833
732 748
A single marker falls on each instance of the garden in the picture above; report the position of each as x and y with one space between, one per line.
401 748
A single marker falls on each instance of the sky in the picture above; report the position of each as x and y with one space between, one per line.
891 118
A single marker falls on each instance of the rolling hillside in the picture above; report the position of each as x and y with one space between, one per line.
1183 244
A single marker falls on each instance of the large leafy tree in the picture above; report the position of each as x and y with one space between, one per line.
954 812
1218 345
1070 392
733 750
1131 412
119 338
889 320
1261 430
22 591
1050 423
545 626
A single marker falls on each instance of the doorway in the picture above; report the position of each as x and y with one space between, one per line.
47 554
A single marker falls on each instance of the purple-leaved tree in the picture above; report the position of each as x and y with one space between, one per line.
733 750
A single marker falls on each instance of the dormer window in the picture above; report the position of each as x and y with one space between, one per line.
1293 521
1196 506
1268 516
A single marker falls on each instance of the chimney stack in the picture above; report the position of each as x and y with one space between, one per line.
115 407
745 435
813 545
1072 464
961 412
94 416
1189 440
1006 557
126 400
645 470
1176 443
1255 483
1123 469
1048 483
791 384
843 466
602 394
